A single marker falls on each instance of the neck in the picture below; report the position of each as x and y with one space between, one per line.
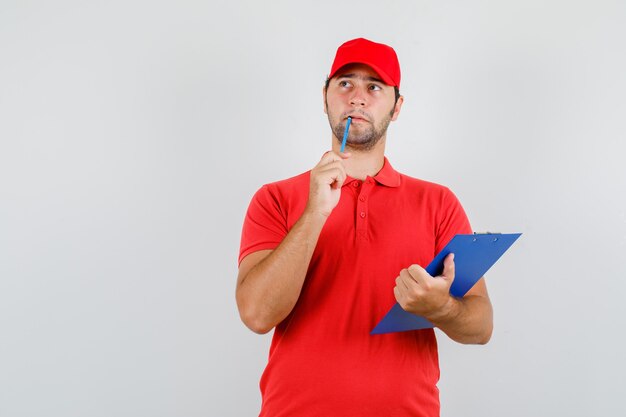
362 164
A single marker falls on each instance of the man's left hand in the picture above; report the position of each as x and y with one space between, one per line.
422 294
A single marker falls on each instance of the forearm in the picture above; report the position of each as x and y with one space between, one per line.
467 320
270 290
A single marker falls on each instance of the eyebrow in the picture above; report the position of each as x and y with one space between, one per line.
350 75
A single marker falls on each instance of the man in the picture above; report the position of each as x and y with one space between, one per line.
325 254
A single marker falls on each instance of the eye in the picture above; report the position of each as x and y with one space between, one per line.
344 83
375 87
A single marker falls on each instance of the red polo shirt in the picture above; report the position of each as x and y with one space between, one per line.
323 360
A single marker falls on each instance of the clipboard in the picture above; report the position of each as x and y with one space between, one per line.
473 256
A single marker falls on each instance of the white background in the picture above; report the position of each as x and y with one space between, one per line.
134 133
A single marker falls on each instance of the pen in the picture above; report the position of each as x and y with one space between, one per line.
345 134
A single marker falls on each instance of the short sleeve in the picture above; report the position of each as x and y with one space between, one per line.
264 226
452 220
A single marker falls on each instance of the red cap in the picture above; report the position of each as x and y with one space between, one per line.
380 57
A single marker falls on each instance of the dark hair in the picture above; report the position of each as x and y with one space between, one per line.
395 89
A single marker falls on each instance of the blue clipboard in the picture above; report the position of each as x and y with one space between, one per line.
473 256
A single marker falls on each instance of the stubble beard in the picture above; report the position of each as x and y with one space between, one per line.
363 138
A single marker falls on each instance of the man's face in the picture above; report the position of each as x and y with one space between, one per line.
357 91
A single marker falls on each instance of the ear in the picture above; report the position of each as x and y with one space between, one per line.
324 99
396 109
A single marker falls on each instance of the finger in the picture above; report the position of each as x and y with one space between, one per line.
406 291
339 180
403 286
334 171
328 157
418 274
448 267
397 293
402 283
336 164
332 175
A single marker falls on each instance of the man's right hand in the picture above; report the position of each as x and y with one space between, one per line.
270 281
326 180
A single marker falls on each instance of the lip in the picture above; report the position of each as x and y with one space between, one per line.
357 119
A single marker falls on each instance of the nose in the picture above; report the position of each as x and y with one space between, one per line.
358 98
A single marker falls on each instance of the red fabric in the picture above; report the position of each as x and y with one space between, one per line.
323 360
382 58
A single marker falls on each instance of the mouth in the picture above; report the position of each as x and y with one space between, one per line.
357 119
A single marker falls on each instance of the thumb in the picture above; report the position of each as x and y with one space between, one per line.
448 268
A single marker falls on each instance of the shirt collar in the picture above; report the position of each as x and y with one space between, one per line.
387 176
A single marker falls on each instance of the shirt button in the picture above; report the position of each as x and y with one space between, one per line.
361 198
355 184
363 214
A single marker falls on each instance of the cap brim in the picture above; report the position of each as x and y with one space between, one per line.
382 74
